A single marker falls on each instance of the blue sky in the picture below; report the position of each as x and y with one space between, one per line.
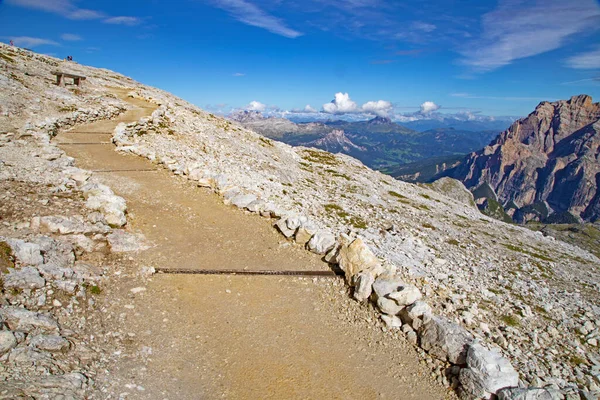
380 57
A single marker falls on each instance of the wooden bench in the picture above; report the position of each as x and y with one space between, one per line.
60 78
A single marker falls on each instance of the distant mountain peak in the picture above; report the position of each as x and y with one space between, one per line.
380 121
246 116
336 141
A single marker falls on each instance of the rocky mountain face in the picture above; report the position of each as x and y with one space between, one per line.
336 142
548 162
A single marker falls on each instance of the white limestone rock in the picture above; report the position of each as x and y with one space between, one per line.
321 242
101 198
26 253
391 322
121 241
363 286
445 340
51 343
416 313
70 225
487 372
355 256
243 200
386 284
406 295
22 320
23 278
529 394
7 341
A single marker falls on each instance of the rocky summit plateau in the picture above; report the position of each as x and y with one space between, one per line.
488 309
545 166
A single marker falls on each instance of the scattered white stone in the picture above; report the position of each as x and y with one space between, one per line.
21 319
406 295
391 322
23 278
321 242
7 341
26 253
51 343
121 241
363 286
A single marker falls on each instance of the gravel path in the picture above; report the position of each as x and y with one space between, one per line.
194 336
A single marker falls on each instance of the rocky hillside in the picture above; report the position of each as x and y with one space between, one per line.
489 304
547 163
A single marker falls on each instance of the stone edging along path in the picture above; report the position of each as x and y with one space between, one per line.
474 370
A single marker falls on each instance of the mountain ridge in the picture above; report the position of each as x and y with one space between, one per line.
549 156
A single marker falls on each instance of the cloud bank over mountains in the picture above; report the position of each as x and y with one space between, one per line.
342 107
343 104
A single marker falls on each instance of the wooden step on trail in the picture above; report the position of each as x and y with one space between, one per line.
324 274
126 170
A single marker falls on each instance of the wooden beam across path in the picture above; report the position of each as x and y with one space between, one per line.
91 132
323 274
126 170
83 143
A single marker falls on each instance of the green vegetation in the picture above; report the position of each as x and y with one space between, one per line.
397 195
321 157
95 290
358 222
69 108
425 196
585 236
510 320
6 257
493 209
529 253
428 226
577 360
335 209
355 221
453 242
266 142
337 174
7 58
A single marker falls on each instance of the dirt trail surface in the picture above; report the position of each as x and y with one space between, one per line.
238 337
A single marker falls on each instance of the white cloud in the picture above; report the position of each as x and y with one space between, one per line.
588 60
83 14
518 29
256 106
423 26
239 74
55 6
429 107
130 21
26 41
250 14
308 109
68 9
70 37
341 104
381 108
